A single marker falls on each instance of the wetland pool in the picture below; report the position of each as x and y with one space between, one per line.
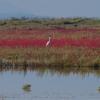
49 86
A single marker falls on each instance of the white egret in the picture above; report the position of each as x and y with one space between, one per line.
49 41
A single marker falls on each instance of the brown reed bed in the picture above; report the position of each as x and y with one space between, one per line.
66 57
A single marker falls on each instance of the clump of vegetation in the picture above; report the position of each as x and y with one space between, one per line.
98 89
26 87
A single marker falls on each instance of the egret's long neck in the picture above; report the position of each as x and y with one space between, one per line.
49 38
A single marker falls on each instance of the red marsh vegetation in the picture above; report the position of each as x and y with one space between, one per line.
91 43
61 37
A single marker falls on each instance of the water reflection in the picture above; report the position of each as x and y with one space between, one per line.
58 70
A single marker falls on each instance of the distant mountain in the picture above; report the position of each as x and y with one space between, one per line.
17 15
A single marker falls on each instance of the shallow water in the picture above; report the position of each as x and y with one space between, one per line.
48 86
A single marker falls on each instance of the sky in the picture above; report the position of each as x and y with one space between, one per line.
50 8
